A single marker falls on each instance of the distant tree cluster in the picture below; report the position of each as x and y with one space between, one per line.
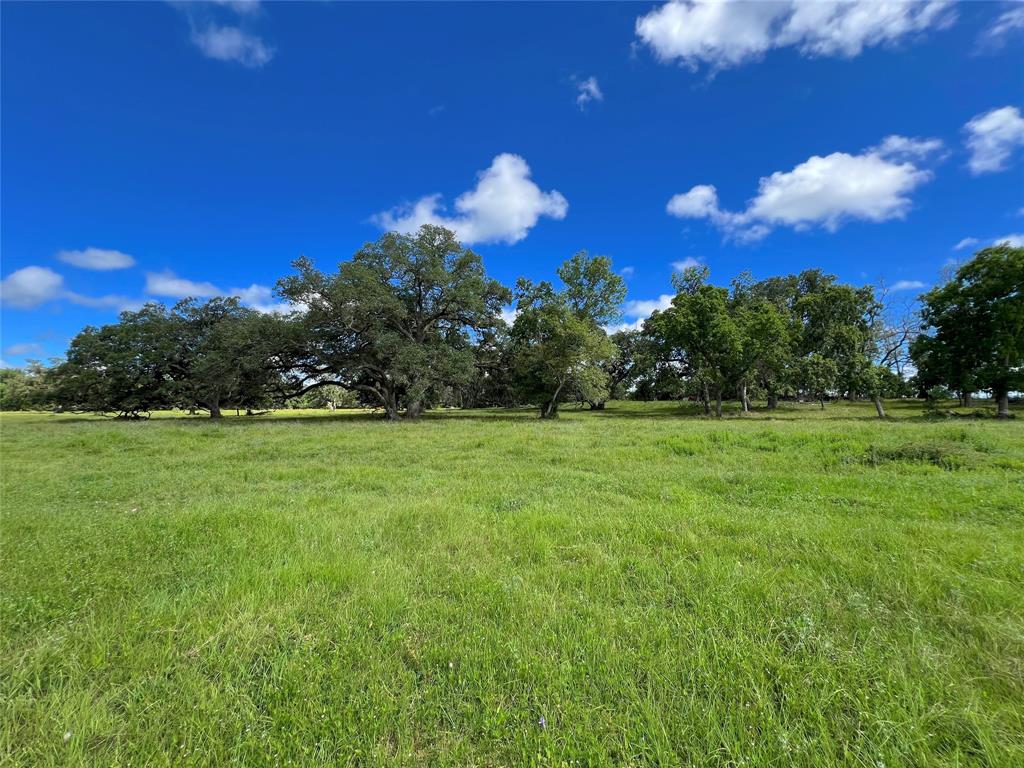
974 329
800 335
413 322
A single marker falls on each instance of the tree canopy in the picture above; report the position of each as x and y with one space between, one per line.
396 322
412 321
974 327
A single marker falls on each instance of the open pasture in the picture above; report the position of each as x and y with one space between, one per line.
639 586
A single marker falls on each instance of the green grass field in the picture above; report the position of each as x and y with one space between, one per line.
633 587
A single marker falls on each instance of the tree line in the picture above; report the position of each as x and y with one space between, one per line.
412 322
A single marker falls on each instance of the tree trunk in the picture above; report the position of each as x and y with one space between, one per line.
773 401
707 401
596 405
718 402
743 397
1003 404
215 411
967 399
879 407
549 410
413 409
822 401
390 401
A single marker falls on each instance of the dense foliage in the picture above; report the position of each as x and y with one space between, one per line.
412 322
976 328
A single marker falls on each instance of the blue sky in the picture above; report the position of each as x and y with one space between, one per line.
153 150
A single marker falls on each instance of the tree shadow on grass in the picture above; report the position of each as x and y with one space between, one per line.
683 411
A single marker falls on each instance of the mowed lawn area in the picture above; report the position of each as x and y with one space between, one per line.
640 586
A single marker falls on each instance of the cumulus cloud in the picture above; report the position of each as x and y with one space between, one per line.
685 264
822 191
727 34
635 325
509 314
261 298
168 284
627 271
967 242
636 311
907 285
229 43
1014 240
1006 25
503 207
587 91
644 308
258 297
992 138
30 286
96 258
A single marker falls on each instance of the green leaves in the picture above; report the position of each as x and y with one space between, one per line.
977 326
557 343
396 322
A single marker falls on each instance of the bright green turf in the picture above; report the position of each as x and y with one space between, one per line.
799 589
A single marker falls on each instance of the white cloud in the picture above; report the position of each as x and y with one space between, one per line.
627 271
1014 240
30 286
685 264
261 298
28 348
644 308
967 242
903 149
699 202
1006 25
728 34
258 297
588 91
502 208
639 310
636 325
907 285
822 191
509 314
828 190
166 283
96 258
992 137
232 44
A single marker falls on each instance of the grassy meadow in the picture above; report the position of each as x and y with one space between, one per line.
639 586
